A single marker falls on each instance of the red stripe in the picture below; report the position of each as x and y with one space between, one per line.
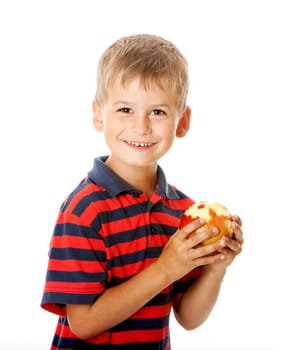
125 224
156 240
130 223
75 265
81 194
123 201
126 270
164 218
68 241
146 336
153 312
73 287
68 218
104 205
180 204
125 337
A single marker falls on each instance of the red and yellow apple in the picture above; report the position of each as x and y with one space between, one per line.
214 214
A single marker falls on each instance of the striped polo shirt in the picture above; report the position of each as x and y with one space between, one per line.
106 232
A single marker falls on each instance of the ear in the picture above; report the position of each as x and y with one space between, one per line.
98 121
184 123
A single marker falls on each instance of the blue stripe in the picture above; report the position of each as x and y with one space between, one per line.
83 184
126 236
85 201
78 254
141 324
75 230
76 344
136 256
63 299
75 276
110 215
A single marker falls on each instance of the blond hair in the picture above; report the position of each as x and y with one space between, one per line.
156 61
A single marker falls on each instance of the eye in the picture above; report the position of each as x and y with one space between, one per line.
158 114
125 110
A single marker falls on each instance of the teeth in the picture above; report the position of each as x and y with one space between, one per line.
136 144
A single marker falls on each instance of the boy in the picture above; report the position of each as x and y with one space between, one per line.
118 263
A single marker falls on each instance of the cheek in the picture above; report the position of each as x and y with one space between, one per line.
110 132
111 126
168 133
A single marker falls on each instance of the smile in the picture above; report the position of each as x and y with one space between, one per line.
139 144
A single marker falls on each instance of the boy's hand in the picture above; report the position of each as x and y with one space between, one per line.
232 246
181 254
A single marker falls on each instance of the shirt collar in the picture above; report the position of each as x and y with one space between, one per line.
104 176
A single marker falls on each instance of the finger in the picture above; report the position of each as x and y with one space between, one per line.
237 232
197 250
210 254
233 245
209 259
203 233
237 219
210 249
191 227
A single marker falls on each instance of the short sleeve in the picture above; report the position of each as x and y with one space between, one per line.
76 272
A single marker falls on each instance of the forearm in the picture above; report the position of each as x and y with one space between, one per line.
194 306
117 304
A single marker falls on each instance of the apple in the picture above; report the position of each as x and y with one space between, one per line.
214 214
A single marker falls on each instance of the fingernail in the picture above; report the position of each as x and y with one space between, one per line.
222 243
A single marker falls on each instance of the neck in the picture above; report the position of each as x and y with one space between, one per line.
143 179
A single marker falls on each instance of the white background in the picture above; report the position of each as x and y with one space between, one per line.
48 56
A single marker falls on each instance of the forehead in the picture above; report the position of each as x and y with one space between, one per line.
142 84
136 88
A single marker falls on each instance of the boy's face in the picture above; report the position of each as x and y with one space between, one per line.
139 125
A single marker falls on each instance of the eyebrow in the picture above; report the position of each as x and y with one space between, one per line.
155 105
121 103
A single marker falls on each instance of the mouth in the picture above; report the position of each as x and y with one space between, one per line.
143 145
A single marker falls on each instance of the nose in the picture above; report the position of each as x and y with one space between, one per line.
141 124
